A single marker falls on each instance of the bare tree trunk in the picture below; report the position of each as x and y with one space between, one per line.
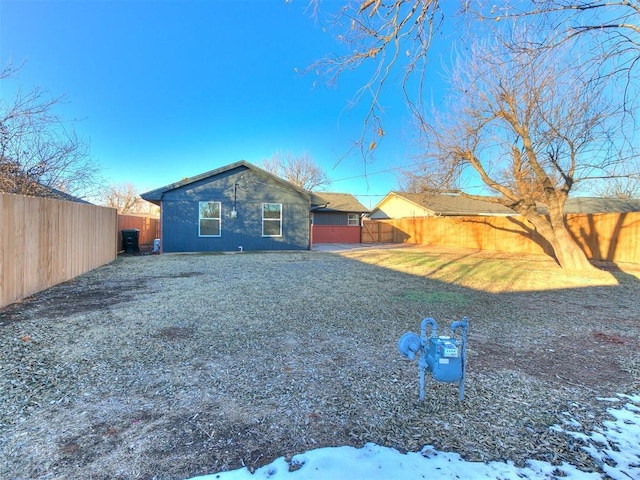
569 255
567 252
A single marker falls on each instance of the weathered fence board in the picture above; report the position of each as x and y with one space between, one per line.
44 242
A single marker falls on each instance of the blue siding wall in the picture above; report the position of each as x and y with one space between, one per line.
180 211
331 218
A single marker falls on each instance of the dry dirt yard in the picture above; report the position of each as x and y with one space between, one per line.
174 366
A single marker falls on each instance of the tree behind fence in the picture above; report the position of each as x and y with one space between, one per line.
613 237
44 242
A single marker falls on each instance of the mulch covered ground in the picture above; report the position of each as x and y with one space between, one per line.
174 366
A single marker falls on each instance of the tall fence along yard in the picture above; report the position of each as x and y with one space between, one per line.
613 237
44 242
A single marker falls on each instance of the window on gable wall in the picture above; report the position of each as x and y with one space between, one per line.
271 219
209 224
353 220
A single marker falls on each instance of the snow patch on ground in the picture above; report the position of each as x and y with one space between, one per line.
615 447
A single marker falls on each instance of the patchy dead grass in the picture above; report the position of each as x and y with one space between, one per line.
175 366
493 271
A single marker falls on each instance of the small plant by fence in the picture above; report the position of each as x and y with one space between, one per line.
613 237
45 241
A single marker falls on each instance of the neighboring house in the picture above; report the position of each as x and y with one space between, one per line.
60 195
601 205
232 208
337 218
412 205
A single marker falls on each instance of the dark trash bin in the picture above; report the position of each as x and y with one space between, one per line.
130 240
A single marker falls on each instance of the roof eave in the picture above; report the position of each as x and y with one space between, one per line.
156 195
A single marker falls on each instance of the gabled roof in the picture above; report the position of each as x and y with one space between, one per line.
450 204
155 196
339 202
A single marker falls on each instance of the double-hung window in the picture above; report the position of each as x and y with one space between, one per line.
271 219
353 220
209 224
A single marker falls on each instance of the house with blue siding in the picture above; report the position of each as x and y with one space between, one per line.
232 208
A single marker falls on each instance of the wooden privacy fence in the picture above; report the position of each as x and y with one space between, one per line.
149 228
44 242
613 237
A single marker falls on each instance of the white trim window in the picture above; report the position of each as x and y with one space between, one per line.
209 224
353 220
271 219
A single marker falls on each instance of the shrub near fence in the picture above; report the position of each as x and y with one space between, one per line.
44 242
613 237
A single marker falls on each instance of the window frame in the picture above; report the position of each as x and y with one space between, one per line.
201 218
356 219
266 219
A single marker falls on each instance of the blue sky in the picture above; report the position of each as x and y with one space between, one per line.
164 90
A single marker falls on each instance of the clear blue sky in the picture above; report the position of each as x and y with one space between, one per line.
169 89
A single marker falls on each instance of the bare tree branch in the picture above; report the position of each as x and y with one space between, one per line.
381 37
124 198
301 170
39 152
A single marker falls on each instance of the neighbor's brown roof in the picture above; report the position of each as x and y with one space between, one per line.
444 204
340 202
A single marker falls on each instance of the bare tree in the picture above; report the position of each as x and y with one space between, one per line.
124 198
39 152
523 142
531 125
301 170
413 181
619 187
